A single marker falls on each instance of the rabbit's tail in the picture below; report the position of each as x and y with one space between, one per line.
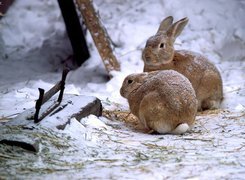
180 129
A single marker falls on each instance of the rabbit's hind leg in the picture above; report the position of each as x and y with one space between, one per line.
211 103
211 90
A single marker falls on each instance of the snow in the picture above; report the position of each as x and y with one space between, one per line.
33 44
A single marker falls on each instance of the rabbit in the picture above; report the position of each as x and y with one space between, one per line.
163 101
159 54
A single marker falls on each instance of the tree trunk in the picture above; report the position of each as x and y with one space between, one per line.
99 34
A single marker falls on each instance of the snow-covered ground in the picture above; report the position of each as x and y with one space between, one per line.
33 44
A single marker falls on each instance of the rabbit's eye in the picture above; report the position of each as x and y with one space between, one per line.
162 45
130 81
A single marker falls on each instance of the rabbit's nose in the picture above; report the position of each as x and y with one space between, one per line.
147 59
121 92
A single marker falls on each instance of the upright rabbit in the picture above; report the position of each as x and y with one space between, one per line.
164 101
159 54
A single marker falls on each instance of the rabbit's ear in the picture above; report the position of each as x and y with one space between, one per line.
165 24
177 28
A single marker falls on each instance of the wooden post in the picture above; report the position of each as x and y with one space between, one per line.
99 34
4 5
74 31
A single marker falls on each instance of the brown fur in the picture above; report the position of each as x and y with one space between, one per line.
159 54
162 100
